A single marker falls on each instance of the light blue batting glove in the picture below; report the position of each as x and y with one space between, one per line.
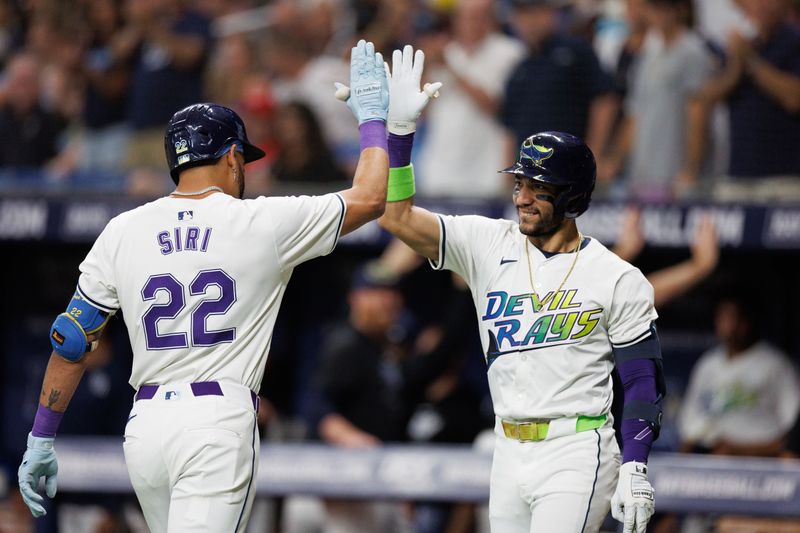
39 460
368 94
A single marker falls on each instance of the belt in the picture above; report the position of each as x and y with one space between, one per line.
537 430
200 388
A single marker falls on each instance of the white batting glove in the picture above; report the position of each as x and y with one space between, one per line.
406 101
633 502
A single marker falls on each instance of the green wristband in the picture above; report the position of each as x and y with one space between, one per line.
401 184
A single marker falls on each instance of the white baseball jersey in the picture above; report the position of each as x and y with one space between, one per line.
748 399
555 362
200 282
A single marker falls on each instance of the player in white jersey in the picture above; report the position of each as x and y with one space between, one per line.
199 276
557 312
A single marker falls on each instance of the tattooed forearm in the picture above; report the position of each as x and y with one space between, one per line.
53 398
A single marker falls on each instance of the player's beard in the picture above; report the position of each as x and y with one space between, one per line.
546 225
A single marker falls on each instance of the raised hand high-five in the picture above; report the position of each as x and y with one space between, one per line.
368 94
406 100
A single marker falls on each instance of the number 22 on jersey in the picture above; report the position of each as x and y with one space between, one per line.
176 291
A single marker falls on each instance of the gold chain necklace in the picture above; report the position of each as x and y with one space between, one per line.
537 303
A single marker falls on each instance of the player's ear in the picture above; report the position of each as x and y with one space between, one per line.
231 157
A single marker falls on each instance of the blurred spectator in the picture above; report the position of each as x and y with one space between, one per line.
302 153
742 399
451 393
29 134
364 403
761 85
10 31
558 86
232 62
325 26
463 144
390 26
716 19
673 281
743 395
299 76
636 20
101 405
257 109
105 133
664 132
168 44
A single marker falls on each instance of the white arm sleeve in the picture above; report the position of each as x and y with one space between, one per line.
305 227
632 309
97 283
463 241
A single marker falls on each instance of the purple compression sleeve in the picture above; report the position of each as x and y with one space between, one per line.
639 380
400 149
46 422
373 134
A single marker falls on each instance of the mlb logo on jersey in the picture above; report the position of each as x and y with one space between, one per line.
172 395
185 215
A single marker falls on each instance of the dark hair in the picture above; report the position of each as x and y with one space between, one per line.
314 139
746 303
320 164
685 7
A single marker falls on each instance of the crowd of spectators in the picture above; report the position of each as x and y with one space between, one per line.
676 98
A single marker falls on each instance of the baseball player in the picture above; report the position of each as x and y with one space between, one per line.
199 276
557 312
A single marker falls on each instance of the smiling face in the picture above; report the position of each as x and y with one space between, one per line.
535 202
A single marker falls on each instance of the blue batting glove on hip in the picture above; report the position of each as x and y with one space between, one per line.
368 94
39 460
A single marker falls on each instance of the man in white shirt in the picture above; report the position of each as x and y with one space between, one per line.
463 141
743 395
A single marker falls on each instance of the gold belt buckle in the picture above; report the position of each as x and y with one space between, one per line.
526 431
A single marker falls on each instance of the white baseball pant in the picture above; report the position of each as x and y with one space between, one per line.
192 455
562 484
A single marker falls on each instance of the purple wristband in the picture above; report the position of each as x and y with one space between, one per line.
373 135
400 149
637 438
46 422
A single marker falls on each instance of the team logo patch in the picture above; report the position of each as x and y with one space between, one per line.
58 337
185 215
183 159
181 146
535 153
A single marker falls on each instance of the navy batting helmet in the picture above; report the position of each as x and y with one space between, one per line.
562 160
202 133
